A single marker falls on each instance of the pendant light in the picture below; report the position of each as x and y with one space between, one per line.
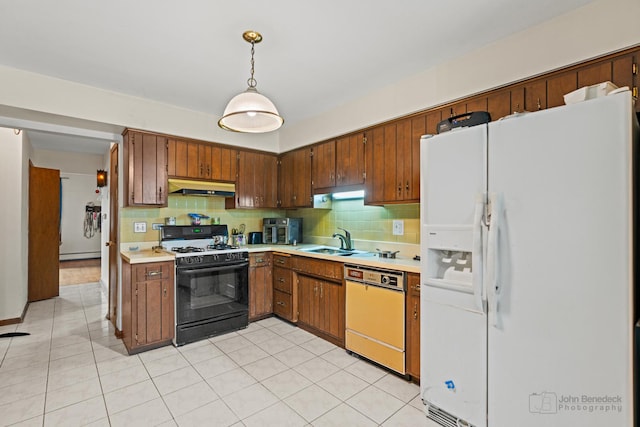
250 111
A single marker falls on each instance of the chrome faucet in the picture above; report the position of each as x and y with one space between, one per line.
345 241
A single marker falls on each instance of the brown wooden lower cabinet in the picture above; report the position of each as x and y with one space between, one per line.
284 292
147 305
412 338
260 285
321 307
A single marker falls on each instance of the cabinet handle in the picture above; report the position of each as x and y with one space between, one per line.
160 193
321 286
280 261
281 279
280 303
154 273
407 187
539 105
259 260
416 287
165 292
208 170
201 168
399 188
415 311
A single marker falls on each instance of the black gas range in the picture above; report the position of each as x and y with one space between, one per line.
212 281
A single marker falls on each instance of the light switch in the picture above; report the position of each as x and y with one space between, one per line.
398 227
139 227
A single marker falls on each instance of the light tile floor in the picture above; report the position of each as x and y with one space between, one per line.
72 370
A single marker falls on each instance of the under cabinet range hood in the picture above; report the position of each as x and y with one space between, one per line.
201 188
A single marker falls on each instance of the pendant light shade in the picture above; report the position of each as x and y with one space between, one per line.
250 111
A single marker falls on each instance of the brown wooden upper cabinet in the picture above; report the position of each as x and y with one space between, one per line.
294 179
393 162
257 182
201 160
145 169
339 164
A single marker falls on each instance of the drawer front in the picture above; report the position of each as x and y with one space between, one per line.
282 305
153 271
258 259
282 279
282 261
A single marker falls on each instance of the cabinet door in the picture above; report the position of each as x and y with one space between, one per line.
260 285
324 165
286 180
178 158
560 85
375 159
408 133
350 160
499 104
245 189
223 164
204 161
302 178
306 299
331 309
535 95
193 163
268 181
594 74
145 169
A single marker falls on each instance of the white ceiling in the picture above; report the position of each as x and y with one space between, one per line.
314 56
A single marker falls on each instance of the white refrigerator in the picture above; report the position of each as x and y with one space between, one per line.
527 271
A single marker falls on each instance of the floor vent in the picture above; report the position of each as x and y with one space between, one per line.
444 418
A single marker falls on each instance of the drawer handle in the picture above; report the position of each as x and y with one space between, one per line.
154 273
260 260
280 261
417 287
280 303
281 279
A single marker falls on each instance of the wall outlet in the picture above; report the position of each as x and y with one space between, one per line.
139 227
156 225
398 227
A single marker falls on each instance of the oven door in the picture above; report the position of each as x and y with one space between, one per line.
204 293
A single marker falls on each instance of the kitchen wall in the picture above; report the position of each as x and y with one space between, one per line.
14 219
180 207
370 226
598 28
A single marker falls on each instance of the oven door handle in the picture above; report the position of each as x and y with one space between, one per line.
212 269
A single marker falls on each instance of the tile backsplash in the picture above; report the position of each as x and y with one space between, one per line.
367 224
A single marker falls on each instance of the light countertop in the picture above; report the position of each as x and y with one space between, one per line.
367 259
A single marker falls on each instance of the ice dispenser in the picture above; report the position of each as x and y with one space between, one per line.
449 257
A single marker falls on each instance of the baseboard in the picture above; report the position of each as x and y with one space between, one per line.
15 320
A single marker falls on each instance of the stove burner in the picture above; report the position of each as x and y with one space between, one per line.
187 249
220 247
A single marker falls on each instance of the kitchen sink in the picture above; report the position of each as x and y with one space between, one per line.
328 250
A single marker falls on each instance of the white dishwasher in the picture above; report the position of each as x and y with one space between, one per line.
375 313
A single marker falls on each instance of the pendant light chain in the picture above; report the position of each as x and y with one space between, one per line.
252 82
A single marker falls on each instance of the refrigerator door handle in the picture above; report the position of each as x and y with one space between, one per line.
493 284
476 254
